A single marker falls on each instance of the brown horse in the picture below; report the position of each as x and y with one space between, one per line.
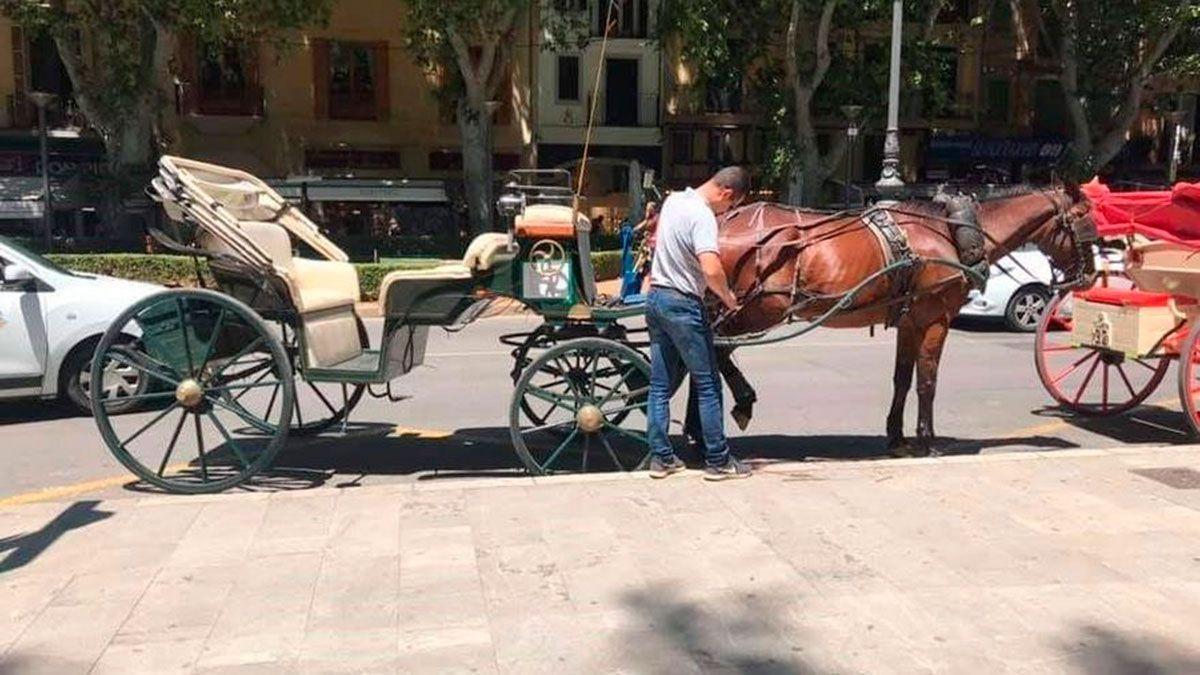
786 262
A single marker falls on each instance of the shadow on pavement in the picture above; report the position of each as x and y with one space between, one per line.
24 548
1103 651
486 452
1151 424
23 412
715 638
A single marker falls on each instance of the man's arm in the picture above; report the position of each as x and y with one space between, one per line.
714 276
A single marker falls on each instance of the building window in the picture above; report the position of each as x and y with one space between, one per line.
996 105
1050 115
225 82
681 147
631 18
568 78
351 81
957 11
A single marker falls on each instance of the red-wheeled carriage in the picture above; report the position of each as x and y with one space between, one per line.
1105 350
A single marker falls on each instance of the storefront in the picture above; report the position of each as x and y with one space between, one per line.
380 218
74 195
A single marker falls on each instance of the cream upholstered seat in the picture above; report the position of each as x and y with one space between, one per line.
480 256
315 285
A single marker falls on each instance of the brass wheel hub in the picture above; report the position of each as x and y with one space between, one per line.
590 419
189 393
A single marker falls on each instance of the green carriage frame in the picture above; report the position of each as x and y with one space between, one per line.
284 318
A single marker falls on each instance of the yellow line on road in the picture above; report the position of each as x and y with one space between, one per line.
68 491
64 491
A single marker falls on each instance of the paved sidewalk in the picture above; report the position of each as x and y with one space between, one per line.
1062 562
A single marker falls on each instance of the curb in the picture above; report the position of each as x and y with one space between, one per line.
810 469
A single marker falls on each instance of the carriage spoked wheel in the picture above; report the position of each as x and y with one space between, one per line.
1189 378
199 350
573 409
1088 380
317 406
538 411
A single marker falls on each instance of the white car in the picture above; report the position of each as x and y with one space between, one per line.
1018 287
50 322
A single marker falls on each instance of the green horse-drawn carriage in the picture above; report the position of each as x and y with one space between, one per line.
279 348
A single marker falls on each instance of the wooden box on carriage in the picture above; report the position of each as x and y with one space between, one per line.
1121 320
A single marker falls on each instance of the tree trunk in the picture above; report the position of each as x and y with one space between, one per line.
475 124
128 134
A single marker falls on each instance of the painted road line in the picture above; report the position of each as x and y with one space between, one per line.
75 490
426 434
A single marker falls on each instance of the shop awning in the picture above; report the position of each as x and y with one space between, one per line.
361 190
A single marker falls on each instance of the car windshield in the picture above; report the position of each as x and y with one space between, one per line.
39 258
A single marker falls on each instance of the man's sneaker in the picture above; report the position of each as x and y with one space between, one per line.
731 469
661 469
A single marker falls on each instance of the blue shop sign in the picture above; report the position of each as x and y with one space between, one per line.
976 148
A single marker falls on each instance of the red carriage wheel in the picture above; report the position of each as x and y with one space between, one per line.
1189 379
1088 380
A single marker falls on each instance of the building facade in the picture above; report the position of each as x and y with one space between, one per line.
342 101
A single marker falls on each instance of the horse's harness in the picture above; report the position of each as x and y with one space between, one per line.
901 263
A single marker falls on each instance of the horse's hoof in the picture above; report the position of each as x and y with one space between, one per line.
742 416
900 447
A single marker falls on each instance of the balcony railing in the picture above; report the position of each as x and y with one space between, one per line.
627 111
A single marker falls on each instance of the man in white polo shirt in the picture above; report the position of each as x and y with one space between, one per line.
686 263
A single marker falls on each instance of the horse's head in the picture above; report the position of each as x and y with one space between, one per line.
1068 238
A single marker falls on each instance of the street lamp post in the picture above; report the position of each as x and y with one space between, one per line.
890 185
42 99
1175 117
852 113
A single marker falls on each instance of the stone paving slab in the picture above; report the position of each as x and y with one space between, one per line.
1038 563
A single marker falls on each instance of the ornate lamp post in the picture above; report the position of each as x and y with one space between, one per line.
852 113
890 185
42 99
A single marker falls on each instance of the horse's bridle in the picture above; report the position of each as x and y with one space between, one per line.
1075 221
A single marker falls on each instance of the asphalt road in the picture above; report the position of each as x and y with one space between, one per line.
822 396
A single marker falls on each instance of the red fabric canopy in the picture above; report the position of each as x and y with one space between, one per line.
1170 215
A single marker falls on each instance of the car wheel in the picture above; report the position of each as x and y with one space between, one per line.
1025 308
120 381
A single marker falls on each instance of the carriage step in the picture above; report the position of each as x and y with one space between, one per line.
361 368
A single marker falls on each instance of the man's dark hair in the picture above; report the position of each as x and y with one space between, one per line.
733 178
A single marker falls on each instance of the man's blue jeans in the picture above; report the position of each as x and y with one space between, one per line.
681 338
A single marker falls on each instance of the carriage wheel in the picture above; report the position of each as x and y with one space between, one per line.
1189 379
538 411
317 405
1087 380
200 349
582 393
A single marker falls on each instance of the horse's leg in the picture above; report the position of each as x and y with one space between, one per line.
906 356
744 396
929 356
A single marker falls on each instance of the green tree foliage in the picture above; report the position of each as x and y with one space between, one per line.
1109 54
116 53
806 59
467 45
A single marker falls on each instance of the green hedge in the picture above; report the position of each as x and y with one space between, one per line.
176 270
